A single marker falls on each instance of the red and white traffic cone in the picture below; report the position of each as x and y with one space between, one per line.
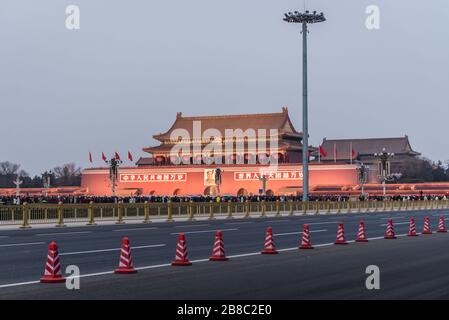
340 235
181 258
305 242
361 236
426 229
125 265
390 230
52 272
441 225
218 253
269 247
412 229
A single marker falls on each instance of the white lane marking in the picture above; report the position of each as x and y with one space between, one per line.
299 232
246 222
393 217
309 219
276 221
193 261
114 249
62 233
18 284
318 223
134 229
395 223
21 244
203 231
193 226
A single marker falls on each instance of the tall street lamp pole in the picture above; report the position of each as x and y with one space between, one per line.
384 158
304 19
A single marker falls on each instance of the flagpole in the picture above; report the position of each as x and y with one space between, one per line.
335 152
350 152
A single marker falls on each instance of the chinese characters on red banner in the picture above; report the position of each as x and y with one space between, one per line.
278 175
182 177
154 177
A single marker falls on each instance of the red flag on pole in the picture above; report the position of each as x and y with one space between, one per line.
90 157
335 152
103 157
354 153
322 151
117 156
130 156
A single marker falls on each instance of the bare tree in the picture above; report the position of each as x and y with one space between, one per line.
8 168
67 175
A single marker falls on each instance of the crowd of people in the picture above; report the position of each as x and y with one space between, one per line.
13 200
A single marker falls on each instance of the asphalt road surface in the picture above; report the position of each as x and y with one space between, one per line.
410 268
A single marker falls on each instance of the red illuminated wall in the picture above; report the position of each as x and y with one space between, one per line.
96 181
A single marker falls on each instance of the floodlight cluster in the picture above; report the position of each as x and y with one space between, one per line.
307 17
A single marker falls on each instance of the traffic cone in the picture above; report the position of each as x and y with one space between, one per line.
390 230
361 236
52 272
441 225
218 253
412 229
270 247
125 265
305 242
340 235
426 229
181 258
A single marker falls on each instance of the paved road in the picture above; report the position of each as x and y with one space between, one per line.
410 267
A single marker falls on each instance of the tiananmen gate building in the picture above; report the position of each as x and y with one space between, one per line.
191 172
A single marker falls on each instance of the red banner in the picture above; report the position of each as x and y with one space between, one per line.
277 175
154 177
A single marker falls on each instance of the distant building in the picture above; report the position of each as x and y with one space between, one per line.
363 150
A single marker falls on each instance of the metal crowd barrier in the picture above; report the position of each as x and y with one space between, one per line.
60 214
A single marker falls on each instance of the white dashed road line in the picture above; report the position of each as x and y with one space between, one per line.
395 223
299 232
134 229
193 226
62 233
202 231
107 250
21 244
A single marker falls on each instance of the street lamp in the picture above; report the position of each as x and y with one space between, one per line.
363 173
218 179
384 158
46 180
113 172
264 178
18 182
304 19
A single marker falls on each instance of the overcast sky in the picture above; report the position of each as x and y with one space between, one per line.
133 64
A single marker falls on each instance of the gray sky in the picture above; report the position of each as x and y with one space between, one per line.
133 64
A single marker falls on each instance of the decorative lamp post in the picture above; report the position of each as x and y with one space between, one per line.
218 179
384 158
113 172
46 181
18 182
